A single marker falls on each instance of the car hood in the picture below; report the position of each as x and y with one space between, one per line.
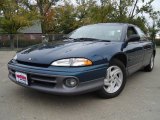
48 52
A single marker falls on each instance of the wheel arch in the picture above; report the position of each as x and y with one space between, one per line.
120 56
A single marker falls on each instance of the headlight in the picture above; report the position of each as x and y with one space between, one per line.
72 62
15 57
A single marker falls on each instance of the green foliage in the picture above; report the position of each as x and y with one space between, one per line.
63 19
67 17
153 30
15 17
44 8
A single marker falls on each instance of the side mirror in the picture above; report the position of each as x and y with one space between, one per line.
133 38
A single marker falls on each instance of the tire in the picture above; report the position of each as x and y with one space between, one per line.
108 91
150 66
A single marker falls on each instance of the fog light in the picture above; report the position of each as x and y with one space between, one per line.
71 82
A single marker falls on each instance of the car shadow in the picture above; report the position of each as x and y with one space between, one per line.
33 96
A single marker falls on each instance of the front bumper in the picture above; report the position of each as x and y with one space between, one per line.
51 79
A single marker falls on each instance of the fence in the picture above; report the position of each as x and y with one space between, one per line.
16 41
12 41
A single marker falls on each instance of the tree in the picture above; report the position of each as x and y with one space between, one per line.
44 7
155 28
129 11
14 17
82 11
100 13
67 17
133 10
64 20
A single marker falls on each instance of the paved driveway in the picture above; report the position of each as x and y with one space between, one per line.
140 100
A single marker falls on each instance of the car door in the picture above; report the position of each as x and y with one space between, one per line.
134 52
147 46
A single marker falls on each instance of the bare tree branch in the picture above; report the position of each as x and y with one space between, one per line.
134 9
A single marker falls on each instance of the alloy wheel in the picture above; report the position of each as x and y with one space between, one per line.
113 80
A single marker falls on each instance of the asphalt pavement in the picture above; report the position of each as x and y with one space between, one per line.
140 100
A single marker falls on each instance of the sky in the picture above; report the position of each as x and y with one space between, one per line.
156 4
156 7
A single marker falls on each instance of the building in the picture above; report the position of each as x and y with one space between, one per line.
32 32
26 36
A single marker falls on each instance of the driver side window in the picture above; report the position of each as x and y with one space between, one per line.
131 31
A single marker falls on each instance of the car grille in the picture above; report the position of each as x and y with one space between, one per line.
32 64
38 80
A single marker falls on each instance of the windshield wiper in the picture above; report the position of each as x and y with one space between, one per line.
90 39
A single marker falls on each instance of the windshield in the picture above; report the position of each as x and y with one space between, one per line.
101 32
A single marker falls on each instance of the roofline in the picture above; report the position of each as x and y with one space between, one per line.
116 23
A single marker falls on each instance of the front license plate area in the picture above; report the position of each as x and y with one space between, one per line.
21 78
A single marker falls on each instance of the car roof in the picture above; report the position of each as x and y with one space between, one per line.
118 24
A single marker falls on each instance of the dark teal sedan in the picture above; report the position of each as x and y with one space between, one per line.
96 57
